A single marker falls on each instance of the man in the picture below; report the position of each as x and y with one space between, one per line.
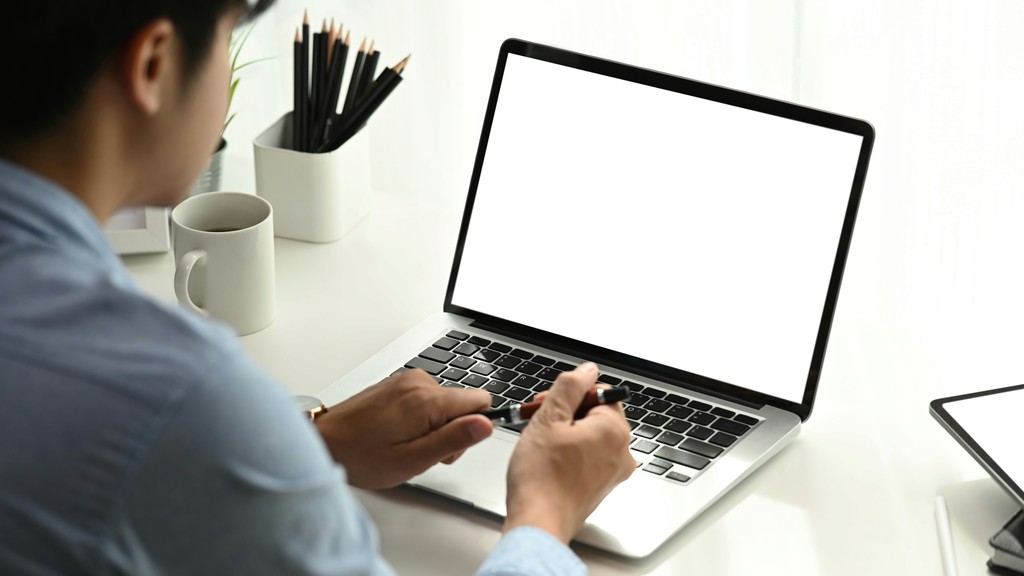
136 438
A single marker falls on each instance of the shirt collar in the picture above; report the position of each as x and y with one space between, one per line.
33 208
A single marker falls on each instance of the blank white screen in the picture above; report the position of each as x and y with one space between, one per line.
683 231
991 421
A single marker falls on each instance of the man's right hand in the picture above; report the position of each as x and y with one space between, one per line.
561 469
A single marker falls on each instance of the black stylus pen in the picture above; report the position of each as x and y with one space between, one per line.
518 413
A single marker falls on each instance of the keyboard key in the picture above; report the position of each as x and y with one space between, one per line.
633 412
655 469
687 459
458 335
633 386
447 384
676 399
482 368
504 375
453 374
487 355
655 419
518 394
678 426
661 462
681 412
656 405
503 348
497 402
637 399
466 349
702 448
548 374
700 432
717 411
524 381
437 355
431 367
462 362
744 419
563 367
474 380
632 424
495 387
542 386
703 418
479 341
507 361
446 343
730 426
646 431
644 446
722 439
670 438
677 477
520 353
543 360
655 393
528 367
609 379
698 405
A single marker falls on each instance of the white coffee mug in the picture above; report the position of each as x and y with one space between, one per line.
224 249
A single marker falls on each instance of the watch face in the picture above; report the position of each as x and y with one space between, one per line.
309 404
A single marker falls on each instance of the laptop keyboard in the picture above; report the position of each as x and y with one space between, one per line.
672 436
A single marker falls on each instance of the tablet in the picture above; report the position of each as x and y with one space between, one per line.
987 425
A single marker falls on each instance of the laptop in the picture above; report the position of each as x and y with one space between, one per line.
985 424
688 238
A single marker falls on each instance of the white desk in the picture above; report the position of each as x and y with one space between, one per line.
852 495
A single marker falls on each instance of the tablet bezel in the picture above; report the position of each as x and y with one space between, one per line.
938 410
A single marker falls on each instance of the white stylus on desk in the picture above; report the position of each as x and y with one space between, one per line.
945 537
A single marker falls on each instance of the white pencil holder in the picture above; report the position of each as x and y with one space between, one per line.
316 197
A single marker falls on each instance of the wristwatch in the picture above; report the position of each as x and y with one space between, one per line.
311 407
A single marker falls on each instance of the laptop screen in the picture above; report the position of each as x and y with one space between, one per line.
684 231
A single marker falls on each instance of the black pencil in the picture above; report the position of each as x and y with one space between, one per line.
303 120
297 94
353 83
333 90
369 71
378 92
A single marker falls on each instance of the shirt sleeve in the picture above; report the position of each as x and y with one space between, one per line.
238 482
528 551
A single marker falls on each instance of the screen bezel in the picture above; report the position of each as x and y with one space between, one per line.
660 372
937 408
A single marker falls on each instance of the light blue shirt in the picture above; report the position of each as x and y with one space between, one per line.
137 438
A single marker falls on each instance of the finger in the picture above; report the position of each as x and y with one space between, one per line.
450 403
451 459
565 395
449 440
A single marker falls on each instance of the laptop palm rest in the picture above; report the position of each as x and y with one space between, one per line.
477 477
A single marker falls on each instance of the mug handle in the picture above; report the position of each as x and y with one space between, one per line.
182 273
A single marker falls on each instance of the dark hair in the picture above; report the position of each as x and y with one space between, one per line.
52 50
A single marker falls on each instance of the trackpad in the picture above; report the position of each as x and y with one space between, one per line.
477 478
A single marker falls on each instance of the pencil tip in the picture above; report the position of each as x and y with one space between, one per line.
362 47
305 16
401 65
298 35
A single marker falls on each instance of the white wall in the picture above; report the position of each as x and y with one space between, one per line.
931 302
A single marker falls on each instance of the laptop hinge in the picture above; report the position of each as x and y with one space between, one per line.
611 363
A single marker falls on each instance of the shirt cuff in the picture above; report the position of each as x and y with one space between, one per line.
531 551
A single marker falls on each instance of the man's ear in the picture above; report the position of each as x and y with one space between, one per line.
148 64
